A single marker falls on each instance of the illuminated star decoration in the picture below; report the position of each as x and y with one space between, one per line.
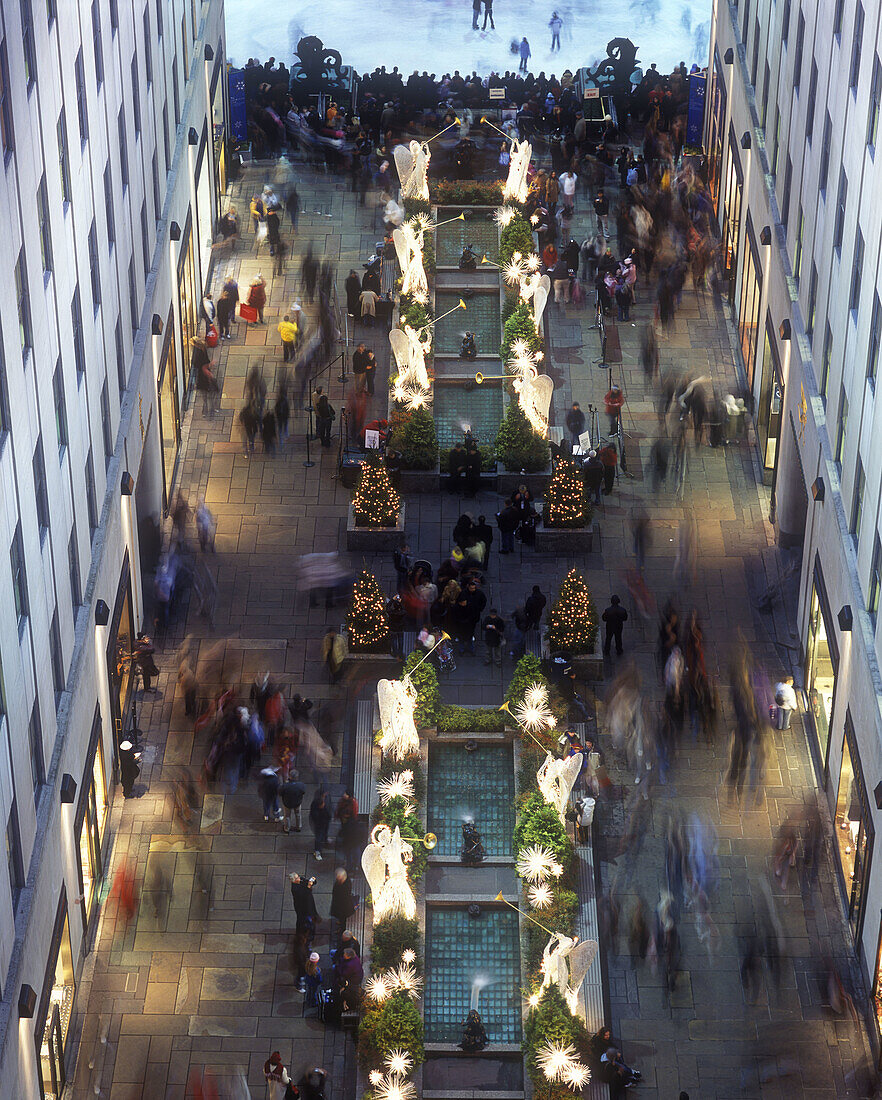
534 219
537 863
534 712
556 1060
377 988
398 785
515 270
540 896
577 1075
375 1077
394 1087
399 1062
408 955
406 979
503 215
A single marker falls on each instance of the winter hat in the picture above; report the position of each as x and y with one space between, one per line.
276 1058
314 957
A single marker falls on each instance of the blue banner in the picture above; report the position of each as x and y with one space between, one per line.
695 118
238 116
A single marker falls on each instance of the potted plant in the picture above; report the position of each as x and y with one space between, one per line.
566 512
376 514
572 627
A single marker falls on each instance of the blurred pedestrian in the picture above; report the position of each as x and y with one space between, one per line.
320 820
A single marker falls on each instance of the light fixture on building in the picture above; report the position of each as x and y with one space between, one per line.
102 613
845 618
745 140
766 235
156 325
174 231
68 788
818 490
127 484
192 136
729 56
784 330
27 1002
877 794
209 53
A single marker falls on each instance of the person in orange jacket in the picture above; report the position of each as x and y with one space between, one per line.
613 402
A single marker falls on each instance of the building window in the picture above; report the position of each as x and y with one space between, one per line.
145 242
136 94
91 501
810 102
82 108
94 271
811 305
76 320
857 503
123 147
45 232
785 197
7 134
875 580
27 43
73 562
157 211
825 155
60 408
148 52
165 141
106 427
837 17
841 203
853 828
841 427
875 338
856 44
826 361
749 305
159 4
797 255
13 855
875 96
745 22
114 16
35 743
40 489
57 657
19 577
767 80
176 92
800 42
785 23
754 67
96 42
63 165
133 296
857 269
108 206
776 142
120 357
23 302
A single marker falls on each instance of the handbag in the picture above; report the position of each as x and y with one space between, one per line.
211 337
247 312
261 233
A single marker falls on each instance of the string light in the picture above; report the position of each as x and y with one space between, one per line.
503 215
408 955
405 979
534 712
555 1060
577 1076
394 1088
376 502
572 620
375 1077
566 499
367 621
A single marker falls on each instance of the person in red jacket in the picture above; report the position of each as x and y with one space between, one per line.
613 402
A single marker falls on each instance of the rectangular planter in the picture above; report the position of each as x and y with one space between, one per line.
564 540
421 481
353 658
373 538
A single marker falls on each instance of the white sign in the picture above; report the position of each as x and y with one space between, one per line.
497 93
372 439
592 93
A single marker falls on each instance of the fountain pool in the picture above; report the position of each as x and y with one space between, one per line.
477 785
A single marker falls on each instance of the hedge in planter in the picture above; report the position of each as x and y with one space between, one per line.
572 620
396 812
517 236
518 446
538 823
425 680
413 433
396 1024
552 1022
367 623
391 938
453 719
519 325
466 192
376 502
566 498
560 915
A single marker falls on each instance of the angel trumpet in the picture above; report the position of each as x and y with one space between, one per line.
499 897
508 711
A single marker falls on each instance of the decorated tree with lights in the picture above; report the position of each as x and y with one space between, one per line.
572 620
566 498
366 621
376 502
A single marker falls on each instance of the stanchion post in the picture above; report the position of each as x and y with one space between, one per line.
308 461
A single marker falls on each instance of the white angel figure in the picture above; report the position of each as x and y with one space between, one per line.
556 778
384 863
410 356
412 162
540 298
516 185
414 281
534 396
397 701
565 962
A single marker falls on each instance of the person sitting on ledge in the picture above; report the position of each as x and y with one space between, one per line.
474 1037
469 349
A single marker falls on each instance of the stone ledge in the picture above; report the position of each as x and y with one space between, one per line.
374 538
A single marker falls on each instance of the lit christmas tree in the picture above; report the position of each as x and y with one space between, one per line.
376 502
566 499
572 620
366 620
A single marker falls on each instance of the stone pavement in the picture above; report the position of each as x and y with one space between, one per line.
205 978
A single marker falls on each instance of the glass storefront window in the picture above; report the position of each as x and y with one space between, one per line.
732 217
749 306
59 1009
853 827
820 673
169 409
716 137
768 415
92 816
119 653
189 303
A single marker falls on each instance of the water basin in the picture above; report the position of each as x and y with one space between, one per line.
481 316
477 785
456 407
478 230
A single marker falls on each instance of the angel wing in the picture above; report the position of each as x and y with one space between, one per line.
386 699
570 772
580 958
373 863
540 297
402 249
545 282
544 779
404 163
400 345
538 393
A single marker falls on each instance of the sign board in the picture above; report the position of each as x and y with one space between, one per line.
695 117
372 439
497 93
591 93
238 114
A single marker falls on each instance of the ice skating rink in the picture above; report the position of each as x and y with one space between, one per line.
436 35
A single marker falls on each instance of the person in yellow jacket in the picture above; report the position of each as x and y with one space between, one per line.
288 333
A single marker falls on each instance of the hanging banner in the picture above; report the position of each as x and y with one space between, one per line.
695 118
238 114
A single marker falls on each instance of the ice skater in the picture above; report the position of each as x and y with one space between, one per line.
555 22
476 11
488 14
524 51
